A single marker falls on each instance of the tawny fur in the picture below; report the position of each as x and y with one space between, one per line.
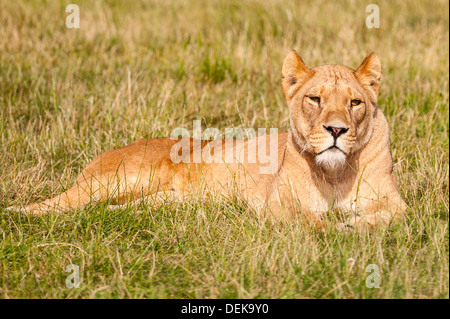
356 176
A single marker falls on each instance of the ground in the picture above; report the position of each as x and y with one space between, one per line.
138 70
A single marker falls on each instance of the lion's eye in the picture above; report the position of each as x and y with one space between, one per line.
315 99
355 102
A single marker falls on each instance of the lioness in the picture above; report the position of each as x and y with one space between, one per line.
336 155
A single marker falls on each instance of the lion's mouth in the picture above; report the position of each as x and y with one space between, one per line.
332 148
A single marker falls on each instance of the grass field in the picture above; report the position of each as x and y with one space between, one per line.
139 70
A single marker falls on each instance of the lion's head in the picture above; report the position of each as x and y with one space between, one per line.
331 106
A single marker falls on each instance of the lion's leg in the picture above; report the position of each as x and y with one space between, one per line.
87 188
282 207
377 215
118 189
77 196
120 175
377 212
154 199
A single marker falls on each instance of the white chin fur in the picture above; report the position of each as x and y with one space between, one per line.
331 159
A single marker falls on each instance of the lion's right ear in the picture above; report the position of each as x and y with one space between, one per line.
295 73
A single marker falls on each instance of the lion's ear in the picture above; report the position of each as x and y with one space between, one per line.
295 73
369 72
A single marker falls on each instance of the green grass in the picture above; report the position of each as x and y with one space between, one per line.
139 70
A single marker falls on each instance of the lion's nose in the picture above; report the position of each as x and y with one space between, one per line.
336 131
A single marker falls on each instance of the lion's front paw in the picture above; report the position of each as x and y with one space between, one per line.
357 224
344 228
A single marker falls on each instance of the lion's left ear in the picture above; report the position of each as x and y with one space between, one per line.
369 72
